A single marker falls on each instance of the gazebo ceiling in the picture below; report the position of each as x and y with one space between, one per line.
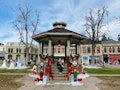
59 33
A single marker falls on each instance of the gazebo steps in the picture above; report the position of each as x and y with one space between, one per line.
57 72
57 75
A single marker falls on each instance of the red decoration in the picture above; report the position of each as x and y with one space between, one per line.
41 75
42 56
75 56
80 79
83 72
34 72
49 61
66 76
36 79
47 70
70 70
51 76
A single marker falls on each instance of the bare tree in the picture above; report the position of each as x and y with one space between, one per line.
24 25
94 22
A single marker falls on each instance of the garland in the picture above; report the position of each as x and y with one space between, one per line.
76 56
43 56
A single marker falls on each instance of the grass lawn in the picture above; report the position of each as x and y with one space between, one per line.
7 82
103 71
14 71
109 83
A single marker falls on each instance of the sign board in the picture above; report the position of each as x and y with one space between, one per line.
85 60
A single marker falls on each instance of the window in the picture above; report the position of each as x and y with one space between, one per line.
58 50
63 50
105 49
98 49
3 49
9 50
54 50
113 49
45 50
24 50
88 49
72 51
110 49
118 49
84 50
17 50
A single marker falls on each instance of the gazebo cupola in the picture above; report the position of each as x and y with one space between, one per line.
59 25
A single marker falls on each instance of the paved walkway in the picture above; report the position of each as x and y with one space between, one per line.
92 75
88 84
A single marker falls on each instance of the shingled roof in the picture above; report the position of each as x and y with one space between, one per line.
59 30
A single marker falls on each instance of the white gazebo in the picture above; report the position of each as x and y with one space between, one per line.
58 35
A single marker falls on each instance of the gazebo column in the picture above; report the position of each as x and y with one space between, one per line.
68 47
77 49
53 49
49 48
65 50
39 51
78 52
42 50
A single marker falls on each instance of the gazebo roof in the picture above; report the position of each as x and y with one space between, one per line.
59 33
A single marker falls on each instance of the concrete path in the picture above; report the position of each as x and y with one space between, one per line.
92 75
88 84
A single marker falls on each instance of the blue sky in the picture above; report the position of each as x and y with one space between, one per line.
72 12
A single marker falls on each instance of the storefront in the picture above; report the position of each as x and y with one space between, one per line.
113 58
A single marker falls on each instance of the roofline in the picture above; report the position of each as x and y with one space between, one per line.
47 33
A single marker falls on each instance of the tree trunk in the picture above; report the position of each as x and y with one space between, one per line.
93 52
27 49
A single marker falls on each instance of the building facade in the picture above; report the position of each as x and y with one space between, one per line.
111 51
2 51
15 51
